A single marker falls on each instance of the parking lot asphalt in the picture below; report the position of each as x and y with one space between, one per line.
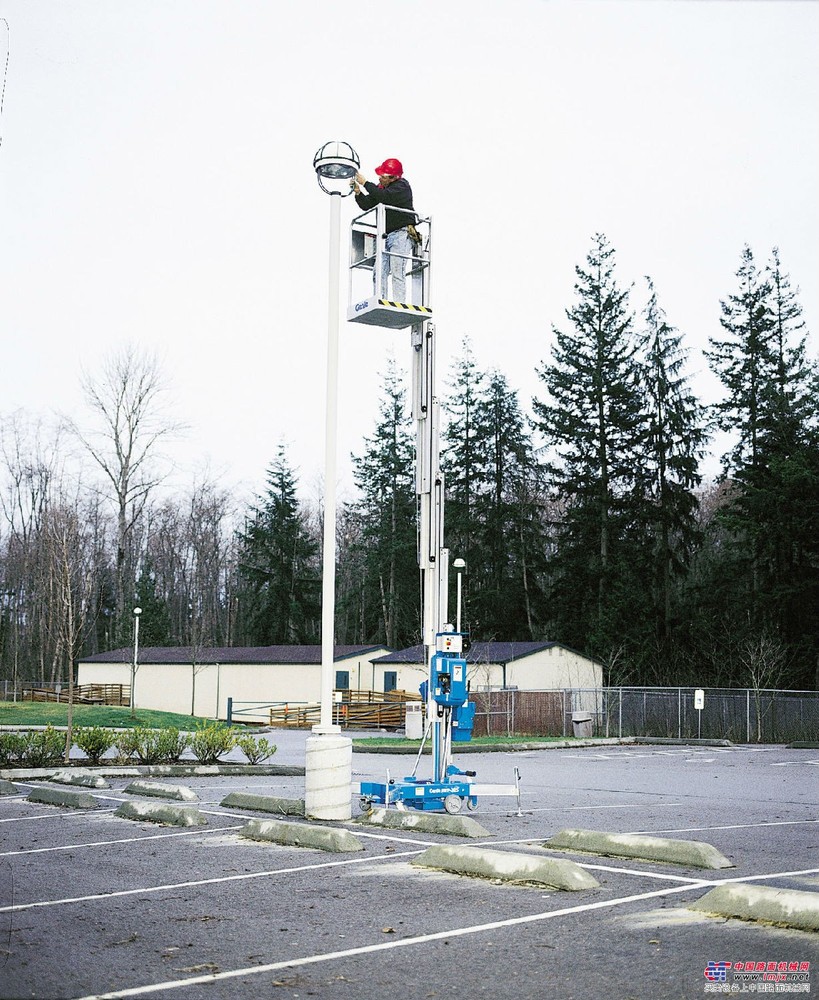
92 905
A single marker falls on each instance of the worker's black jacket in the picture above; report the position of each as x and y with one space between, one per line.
398 194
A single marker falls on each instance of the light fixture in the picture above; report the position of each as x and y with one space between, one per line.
336 162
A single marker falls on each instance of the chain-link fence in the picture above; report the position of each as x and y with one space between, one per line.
741 715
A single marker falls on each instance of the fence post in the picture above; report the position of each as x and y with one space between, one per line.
229 711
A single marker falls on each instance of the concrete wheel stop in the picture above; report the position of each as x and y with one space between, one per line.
159 812
162 790
692 853
8 788
454 826
63 797
323 838
264 803
784 907
85 778
507 866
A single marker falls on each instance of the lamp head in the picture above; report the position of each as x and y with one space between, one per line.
137 612
459 564
337 163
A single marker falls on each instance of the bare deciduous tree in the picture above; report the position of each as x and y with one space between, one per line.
129 419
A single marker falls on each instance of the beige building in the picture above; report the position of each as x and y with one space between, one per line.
170 679
494 666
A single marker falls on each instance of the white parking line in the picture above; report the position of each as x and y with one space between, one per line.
247 876
74 814
423 939
733 826
412 942
123 840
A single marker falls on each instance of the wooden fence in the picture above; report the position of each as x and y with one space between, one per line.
355 710
84 694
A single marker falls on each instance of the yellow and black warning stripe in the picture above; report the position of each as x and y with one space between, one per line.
404 305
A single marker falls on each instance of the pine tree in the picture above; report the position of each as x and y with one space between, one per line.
385 514
504 582
279 584
465 456
594 424
743 361
772 518
677 434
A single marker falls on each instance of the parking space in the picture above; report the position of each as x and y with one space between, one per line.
95 905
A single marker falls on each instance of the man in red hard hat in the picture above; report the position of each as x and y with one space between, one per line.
392 190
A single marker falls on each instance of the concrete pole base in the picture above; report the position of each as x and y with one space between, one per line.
328 770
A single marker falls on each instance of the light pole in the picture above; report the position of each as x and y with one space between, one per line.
460 566
137 613
327 770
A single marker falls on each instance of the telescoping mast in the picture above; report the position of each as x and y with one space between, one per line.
449 712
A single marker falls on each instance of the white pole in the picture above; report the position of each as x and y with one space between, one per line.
137 613
328 577
458 613
329 755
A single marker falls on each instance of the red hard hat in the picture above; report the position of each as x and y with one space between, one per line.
392 167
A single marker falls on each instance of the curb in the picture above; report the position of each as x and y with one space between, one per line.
264 803
158 770
507 747
324 838
672 742
454 826
785 907
63 797
508 866
692 853
161 790
160 813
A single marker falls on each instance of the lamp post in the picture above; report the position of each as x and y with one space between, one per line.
460 566
327 774
137 613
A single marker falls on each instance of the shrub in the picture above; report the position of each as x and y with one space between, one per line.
211 741
170 745
255 749
12 747
43 748
94 741
126 744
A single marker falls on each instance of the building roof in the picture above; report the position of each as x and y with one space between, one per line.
479 652
229 654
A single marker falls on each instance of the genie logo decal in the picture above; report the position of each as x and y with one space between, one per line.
361 305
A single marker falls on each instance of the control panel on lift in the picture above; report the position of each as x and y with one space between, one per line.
449 671
450 688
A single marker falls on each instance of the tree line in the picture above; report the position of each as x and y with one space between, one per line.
585 520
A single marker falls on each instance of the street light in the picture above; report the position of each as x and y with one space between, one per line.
460 566
137 613
328 763
336 163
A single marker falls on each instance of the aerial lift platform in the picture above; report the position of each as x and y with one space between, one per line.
449 713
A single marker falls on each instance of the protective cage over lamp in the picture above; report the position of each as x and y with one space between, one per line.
336 162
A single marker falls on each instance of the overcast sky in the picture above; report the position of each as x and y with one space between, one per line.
156 187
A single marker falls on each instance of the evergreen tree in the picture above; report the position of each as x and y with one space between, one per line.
385 515
676 438
594 424
772 517
465 459
504 581
155 620
743 361
279 583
